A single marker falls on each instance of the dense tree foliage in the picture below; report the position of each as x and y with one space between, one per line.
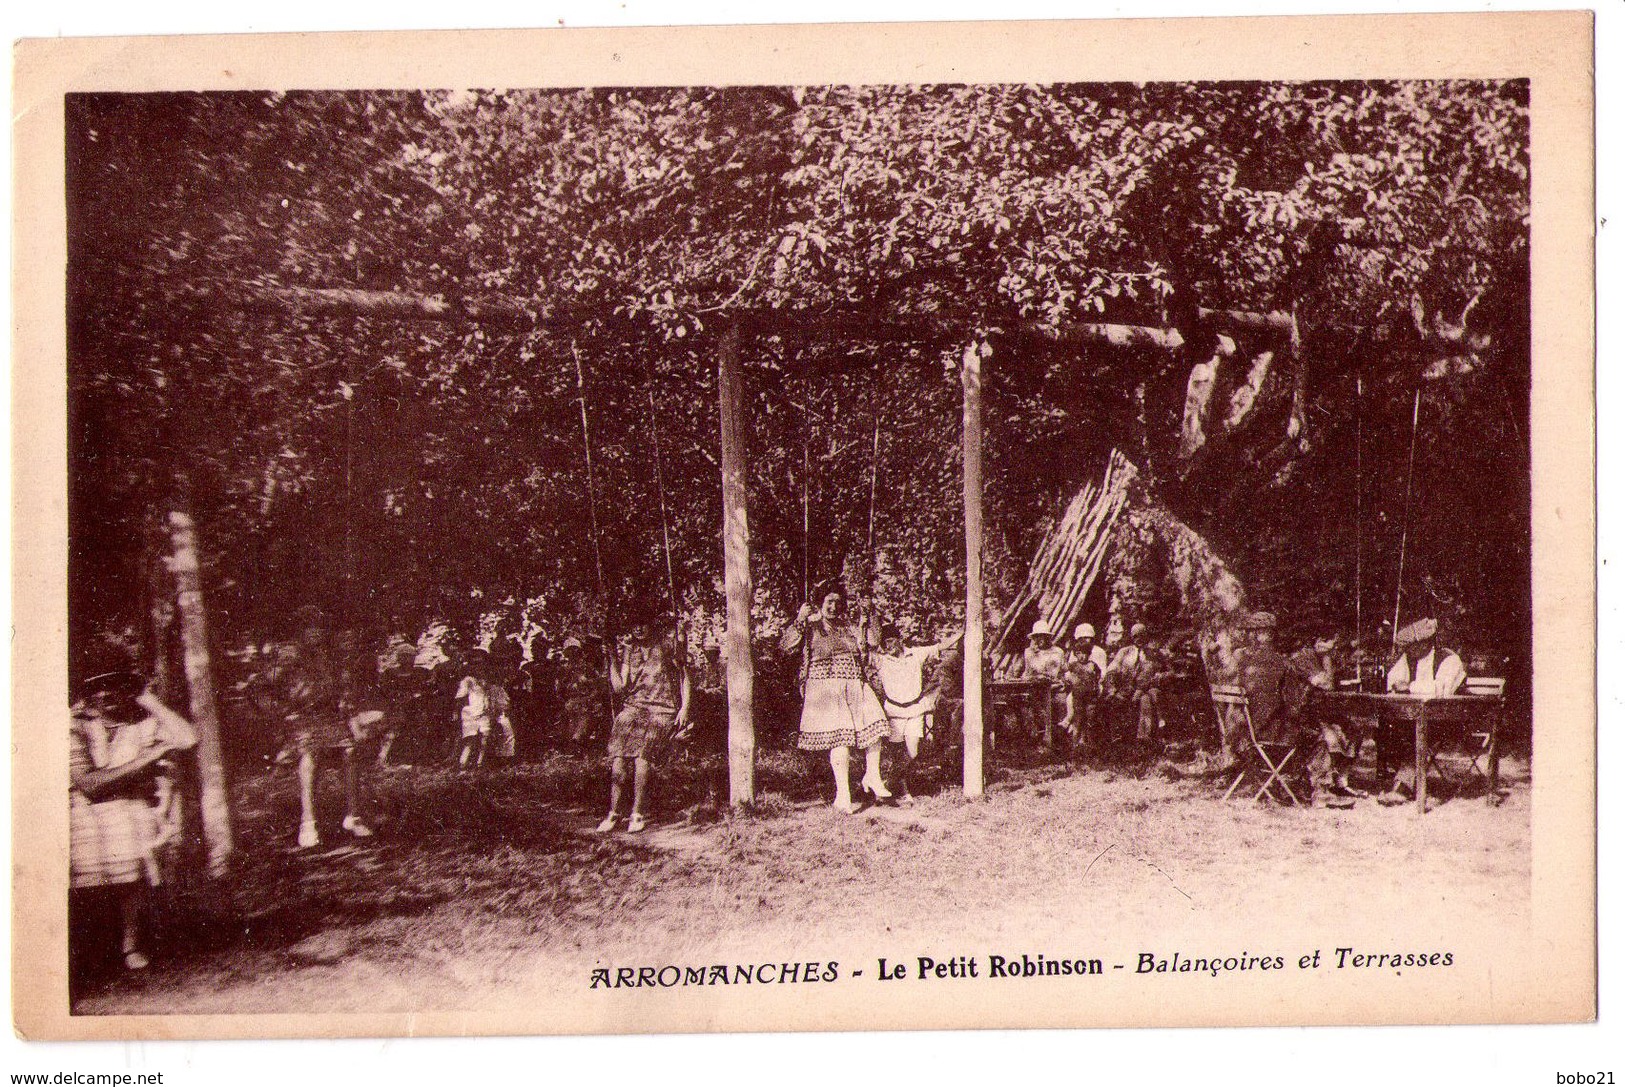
421 451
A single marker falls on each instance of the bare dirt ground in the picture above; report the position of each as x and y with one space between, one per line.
486 890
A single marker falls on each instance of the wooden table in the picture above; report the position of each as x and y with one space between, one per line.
1005 695
1392 708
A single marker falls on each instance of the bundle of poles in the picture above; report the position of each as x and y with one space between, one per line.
1066 563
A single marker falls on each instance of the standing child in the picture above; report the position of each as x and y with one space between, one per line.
1085 665
906 699
474 715
656 688
120 735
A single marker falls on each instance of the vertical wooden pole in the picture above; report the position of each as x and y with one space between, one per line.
970 375
741 677
205 715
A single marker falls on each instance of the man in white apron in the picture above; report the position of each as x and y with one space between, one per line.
1424 670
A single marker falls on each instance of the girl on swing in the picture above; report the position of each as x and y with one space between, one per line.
840 709
655 684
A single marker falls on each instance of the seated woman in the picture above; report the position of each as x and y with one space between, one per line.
840 709
1044 661
121 735
1337 744
1130 689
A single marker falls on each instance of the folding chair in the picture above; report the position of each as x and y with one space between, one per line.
1275 755
1477 741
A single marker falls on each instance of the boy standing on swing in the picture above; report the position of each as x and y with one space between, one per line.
656 688
907 701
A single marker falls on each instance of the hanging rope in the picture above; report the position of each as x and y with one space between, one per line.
1359 504
1405 531
348 662
592 490
592 520
806 475
874 468
660 491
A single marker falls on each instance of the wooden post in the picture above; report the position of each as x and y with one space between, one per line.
183 562
970 375
741 676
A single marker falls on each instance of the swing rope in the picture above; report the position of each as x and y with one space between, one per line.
1359 504
806 474
1405 531
660 491
874 472
592 506
350 608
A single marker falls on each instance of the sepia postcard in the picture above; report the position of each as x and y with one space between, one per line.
844 527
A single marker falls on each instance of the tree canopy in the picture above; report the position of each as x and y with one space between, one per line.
354 322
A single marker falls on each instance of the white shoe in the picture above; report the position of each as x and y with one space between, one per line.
636 824
308 838
876 788
845 806
356 827
608 824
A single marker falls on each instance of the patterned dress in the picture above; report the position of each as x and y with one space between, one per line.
839 707
111 840
650 713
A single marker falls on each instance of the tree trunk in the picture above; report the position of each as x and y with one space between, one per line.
205 715
971 377
741 679
1246 393
1204 379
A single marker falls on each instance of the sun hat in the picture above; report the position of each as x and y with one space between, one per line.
1419 631
120 683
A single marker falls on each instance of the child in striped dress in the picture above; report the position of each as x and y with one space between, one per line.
120 736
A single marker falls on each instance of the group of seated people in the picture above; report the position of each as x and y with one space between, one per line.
1278 689
1115 703
1110 703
